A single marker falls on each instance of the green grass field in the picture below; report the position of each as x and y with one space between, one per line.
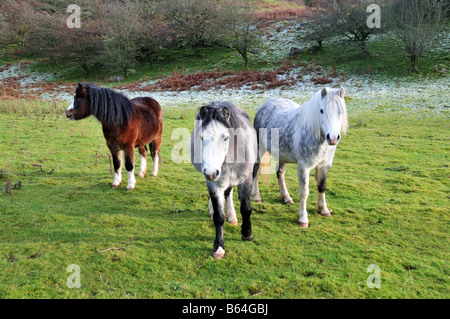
388 188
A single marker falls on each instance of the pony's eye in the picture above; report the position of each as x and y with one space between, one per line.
226 138
321 111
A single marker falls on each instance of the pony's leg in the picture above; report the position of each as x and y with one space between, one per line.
261 152
321 179
284 194
255 187
155 148
117 162
129 165
231 213
303 179
143 156
210 208
246 209
218 201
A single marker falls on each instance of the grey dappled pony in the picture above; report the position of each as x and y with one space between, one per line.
223 149
307 135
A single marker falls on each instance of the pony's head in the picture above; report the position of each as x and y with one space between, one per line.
332 114
215 137
107 106
79 108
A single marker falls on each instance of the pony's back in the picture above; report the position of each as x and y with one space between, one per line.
280 106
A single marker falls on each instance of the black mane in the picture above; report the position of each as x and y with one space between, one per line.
214 112
108 106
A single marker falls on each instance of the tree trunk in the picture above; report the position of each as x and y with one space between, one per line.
362 46
245 60
415 64
243 53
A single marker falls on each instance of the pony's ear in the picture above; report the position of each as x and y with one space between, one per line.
342 92
80 88
202 112
226 113
324 92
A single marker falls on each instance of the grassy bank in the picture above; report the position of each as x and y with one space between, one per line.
385 57
388 189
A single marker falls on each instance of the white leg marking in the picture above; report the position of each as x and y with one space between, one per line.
117 178
255 189
143 168
131 180
118 174
219 253
231 213
322 205
304 193
155 164
302 213
284 194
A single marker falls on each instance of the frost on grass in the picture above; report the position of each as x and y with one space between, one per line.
294 80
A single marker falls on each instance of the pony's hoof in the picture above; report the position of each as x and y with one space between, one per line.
326 213
247 238
304 225
142 174
131 187
287 200
257 199
115 186
233 222
154 173
219 253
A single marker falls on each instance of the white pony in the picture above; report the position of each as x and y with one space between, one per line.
308 136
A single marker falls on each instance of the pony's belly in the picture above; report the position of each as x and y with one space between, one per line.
286 158
144 140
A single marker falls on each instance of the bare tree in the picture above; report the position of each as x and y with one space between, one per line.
18 21
350 19
125 28
318 25
192 22
154 35
418 24
238 28
77 47
347 18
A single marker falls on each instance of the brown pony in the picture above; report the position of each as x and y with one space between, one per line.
126 125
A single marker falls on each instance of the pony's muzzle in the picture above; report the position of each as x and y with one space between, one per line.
333 139
212 175
68 114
